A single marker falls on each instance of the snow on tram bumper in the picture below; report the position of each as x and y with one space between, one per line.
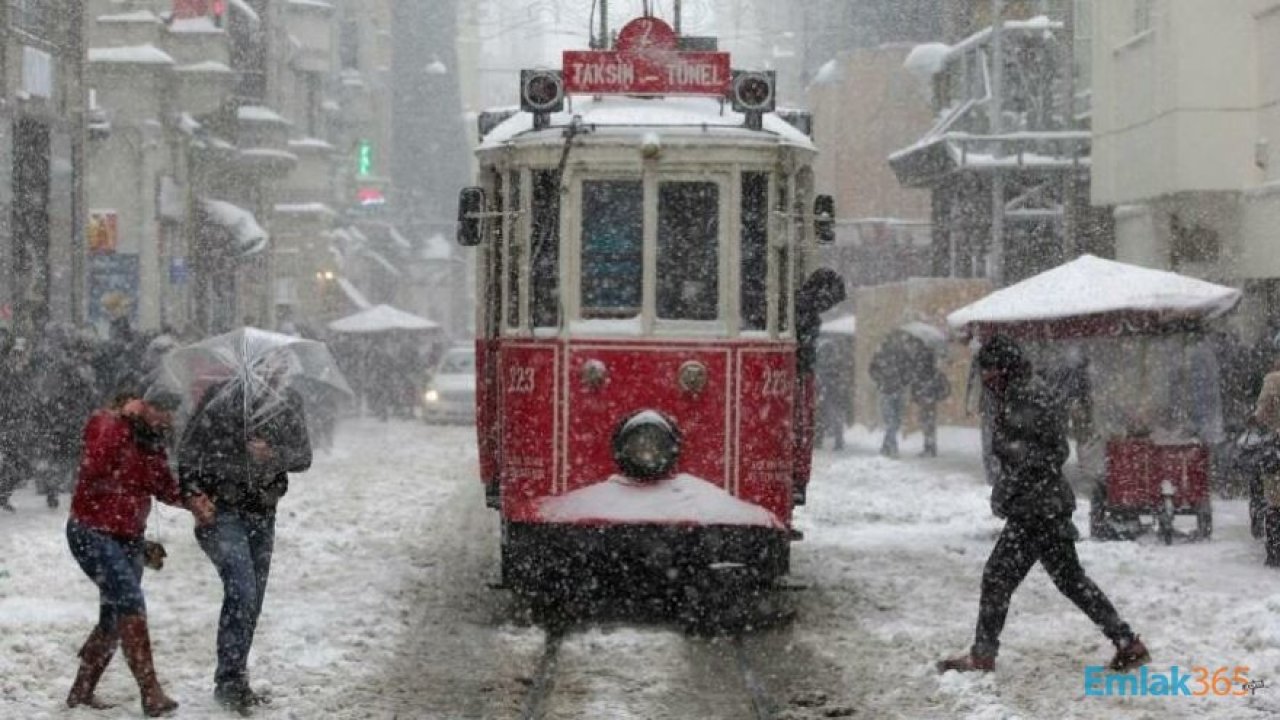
679 500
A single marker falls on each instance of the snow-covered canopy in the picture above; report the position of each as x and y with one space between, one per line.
1091 288
249 236
381 318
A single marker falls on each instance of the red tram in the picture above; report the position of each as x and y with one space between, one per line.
641 227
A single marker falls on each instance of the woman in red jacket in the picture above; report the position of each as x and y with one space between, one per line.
122 467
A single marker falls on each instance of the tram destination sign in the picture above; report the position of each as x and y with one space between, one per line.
646 61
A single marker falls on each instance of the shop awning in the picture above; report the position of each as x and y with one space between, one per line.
248 235
382 318
1094 296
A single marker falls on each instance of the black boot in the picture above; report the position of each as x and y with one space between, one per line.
1271 523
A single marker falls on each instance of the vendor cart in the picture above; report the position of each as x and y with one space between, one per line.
1126 349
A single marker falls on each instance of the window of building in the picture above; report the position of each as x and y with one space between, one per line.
33 17
612 244
688 250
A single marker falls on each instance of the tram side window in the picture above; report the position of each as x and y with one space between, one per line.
545 260
514 251
784 267
612 248
755 250
688 250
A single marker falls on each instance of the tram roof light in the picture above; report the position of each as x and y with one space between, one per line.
541 91
754 91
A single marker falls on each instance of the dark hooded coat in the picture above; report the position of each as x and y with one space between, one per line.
214 458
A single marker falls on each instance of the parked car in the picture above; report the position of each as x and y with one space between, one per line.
450 394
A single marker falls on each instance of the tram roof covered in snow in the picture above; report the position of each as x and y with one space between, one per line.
684 116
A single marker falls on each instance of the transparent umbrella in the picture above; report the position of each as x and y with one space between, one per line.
254 367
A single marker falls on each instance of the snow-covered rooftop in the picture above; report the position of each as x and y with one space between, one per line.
136 54
690 114
1090 286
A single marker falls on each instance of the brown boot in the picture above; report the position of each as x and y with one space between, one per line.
967 663
136 641
1130 656
95 655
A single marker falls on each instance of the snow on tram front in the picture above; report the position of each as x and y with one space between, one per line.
641 227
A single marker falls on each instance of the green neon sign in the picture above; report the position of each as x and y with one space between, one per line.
364 158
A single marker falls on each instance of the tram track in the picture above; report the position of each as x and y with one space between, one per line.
543 680
762 706
738 673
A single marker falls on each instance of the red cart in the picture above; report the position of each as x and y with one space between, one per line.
1128 343
1157 479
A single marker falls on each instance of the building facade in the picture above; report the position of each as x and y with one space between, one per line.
42 123
1186 110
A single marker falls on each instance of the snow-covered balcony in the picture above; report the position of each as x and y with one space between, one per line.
203 87
130 82
263 139
197 40
142 27
312 179
937 156
310 24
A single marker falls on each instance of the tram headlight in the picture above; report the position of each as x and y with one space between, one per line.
646 446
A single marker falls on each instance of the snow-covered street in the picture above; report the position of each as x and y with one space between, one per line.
379 606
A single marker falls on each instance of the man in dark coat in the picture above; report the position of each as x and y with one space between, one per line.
1030 441
237 453
891 371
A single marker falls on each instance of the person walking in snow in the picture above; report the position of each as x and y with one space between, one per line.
929 388
891 372
1029 438
123 465
1266 415
243 467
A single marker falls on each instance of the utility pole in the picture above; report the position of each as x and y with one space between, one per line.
604 25
676 11
995 254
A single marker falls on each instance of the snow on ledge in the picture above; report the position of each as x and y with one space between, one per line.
138 54
683 499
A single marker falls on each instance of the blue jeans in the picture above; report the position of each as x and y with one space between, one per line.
114 564
891 408
240 545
